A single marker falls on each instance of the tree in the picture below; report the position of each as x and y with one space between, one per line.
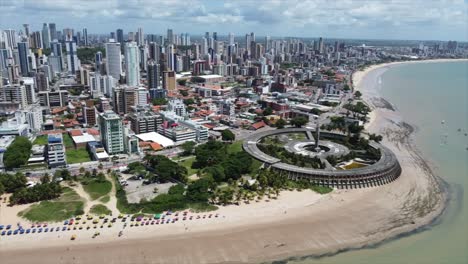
299 121
17 153
100 166
188 147
82 170
12 182
227 135
159 101
198 191
189 101
357 94
2 188
267 111
281 123
217 172
182 82
346 87
183 92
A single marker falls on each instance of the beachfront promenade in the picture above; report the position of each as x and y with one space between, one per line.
385 170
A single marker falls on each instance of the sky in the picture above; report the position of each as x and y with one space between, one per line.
358 19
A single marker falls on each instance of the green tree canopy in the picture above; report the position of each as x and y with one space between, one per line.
228 135
188 147
17 153
299 121
281 123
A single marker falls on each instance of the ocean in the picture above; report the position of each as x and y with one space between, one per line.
432 97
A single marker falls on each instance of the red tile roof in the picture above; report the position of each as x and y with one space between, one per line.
93 131
75 132
258 125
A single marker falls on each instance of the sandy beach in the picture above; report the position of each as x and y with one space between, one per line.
296 224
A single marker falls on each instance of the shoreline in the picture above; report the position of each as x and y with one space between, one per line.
315 225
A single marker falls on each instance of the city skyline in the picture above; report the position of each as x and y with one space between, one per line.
434 20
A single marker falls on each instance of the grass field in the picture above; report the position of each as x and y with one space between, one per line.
236 146
40 140
68 141
187 163
105 199
97 189
77 155
67 205
100 209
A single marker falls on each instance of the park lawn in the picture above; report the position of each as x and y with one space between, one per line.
99 209
69 204
77 155
105 199
236 146
40 140
97 189
187 163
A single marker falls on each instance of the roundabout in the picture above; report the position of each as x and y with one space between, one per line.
385 169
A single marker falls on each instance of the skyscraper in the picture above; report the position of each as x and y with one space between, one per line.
23 50
120 39
56 50
72 58
114 60
231 38
170 36
169 80
98 61
53 32
111 129
85 36
141 37
320 45
132 67
153 74
170 58
45 36
26 30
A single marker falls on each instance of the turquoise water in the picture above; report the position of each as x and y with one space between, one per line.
434 98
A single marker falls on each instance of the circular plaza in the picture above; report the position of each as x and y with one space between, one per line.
295 152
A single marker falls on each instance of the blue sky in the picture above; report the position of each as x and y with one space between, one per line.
376 19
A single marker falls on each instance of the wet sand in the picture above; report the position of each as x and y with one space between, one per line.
298 223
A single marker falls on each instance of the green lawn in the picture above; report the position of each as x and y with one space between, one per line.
77 155
100 209
236 146
105 199
40 140
68 141
66 206
187 163
97 189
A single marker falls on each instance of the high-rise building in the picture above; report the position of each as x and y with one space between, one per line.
72 57
89 113
142 96
53 98
120 38
170 36
26 30
320 45
98 61
15 93
42 81
169 80
56 50
45 36
170 58
141 37
155 51
112 134
11 39
132 67
53 32
144 121
23 52
55 151
231 38
85 36
153 74
114 59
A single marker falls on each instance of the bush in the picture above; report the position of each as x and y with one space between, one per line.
12 182
40 192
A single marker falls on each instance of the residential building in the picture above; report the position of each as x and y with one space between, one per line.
112 134
114 58
53 98
55 151
132 68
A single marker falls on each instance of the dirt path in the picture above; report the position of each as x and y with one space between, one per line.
88 202
112 204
